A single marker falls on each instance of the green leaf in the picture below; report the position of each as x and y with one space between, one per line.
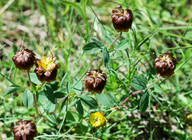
104 99
61 93
108 39
92 47
49 93
54 85
157 88
68 86
79 107
99 43
15 48
124 45
50 107
106 57
72 116
46 104
34 79
84 126
11 89
78 86
112 98
144 102
89 101
139 82
27 98
52 119
146 39
6 64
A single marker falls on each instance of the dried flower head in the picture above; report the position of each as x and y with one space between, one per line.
46 69
24 130
122 19
24 59
95 81
97 119
165 65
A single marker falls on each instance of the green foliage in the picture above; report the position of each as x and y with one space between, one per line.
49 92
89 101
144 102
123 45
106 57
28 98
34 79
11 89
92 47
80 34
79 107
139 82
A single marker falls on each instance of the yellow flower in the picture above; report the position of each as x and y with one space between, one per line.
46 69
97 119
47 63
189 116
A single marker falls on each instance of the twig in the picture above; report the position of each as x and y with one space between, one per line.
154 83
110 46
34 98
134 93
116 39
6 6
62 99
139 91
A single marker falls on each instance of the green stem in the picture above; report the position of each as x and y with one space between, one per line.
34 98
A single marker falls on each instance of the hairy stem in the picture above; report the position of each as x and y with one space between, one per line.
139 91
34 98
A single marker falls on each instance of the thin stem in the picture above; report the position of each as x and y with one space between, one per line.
139 91
154 83
116 39
134 93
110 46
34 98
100 63
62 99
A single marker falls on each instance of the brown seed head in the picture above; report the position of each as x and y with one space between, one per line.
122 19
24 59
24 130
165 65
46 69
95 81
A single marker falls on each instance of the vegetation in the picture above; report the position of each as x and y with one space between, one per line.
136 103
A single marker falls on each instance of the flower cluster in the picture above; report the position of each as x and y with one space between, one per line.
122 19
46 69
97 119
165 65
24 59
95 81
24 130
